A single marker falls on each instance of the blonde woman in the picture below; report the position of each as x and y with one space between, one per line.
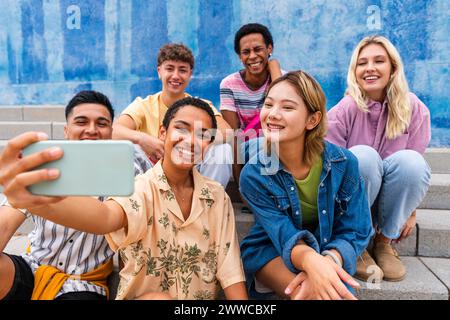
312 218
387 128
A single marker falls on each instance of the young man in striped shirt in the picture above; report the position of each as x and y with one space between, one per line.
54 248
242 93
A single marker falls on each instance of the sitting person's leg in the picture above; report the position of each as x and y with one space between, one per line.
16 278
370 168
217 163
405 182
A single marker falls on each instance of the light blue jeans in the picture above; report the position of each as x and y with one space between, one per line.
395 186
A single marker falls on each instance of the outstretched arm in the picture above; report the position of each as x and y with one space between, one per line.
82 213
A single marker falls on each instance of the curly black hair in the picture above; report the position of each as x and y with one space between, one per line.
249 28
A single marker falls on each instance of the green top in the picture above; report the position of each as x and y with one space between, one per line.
307 193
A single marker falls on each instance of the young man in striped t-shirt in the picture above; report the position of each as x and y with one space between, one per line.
242 93
55 248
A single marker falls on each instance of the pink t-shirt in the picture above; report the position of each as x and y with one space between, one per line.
348 126
236 96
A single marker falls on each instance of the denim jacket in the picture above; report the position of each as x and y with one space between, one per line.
345 222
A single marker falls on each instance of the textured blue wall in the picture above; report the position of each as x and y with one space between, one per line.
50 49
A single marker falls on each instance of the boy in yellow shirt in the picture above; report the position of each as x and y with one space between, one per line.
141 120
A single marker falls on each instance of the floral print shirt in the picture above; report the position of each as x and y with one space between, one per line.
163 252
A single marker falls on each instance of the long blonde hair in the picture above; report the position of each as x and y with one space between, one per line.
397 93
314 98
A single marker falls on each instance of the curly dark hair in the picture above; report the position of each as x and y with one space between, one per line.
175 52
249 28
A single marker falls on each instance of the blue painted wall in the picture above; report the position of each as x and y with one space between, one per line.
49 49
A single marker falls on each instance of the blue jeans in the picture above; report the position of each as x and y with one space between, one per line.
395 186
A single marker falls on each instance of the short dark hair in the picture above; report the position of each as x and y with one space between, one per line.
249 28
189 101
175 52
89 96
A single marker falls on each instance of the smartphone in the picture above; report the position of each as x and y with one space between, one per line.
88 168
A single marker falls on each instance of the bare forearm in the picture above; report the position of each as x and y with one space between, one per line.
81 213
237 291
120 132
274 69
299 255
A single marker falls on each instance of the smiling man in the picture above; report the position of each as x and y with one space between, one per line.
62 263
242 93
141 120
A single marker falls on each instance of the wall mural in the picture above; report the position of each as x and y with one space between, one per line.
50 49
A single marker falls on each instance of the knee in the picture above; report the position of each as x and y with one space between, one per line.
369 161
409 164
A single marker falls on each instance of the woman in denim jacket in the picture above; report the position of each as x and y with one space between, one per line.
312 218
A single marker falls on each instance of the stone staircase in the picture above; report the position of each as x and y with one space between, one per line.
426 253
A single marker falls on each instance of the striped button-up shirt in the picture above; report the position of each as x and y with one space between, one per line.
71 251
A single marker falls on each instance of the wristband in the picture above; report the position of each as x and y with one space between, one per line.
23 211
333 256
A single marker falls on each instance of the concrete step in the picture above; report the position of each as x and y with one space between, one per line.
438 159
11 113
32 113
438 195
440 268
430 238
420 283
434 233
10 129
426 279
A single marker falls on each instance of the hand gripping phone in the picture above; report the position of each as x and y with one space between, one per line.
88 168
